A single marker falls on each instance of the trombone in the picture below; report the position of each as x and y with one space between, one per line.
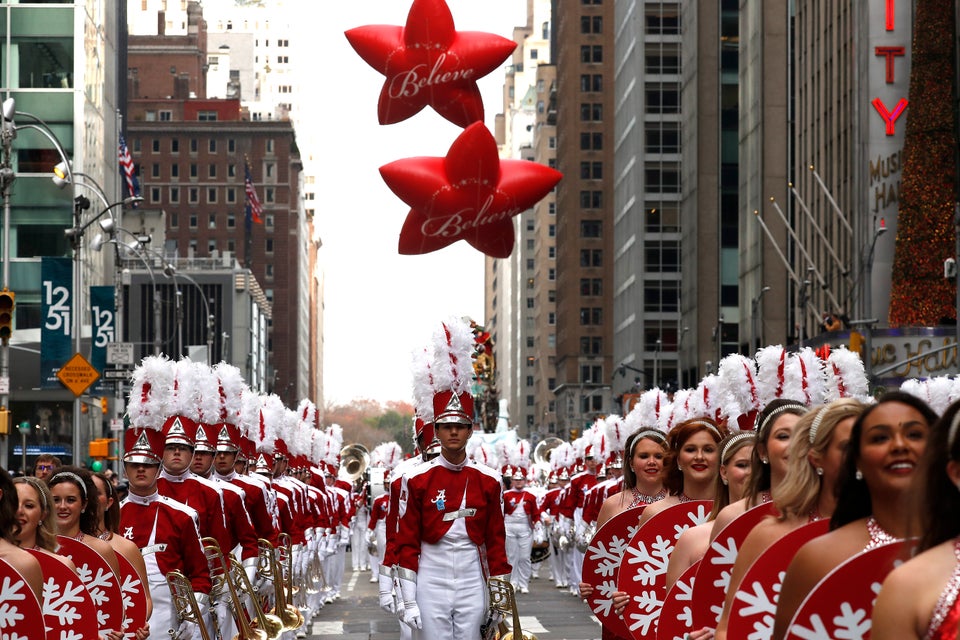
269 569
225 575
185 604
502 601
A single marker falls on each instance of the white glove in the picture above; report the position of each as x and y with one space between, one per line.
369 536
308 534
203 604
250 568
387 602
331 544
344 536
185 630
411 612
538 535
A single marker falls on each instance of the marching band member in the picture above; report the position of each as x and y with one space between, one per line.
450 512
521 519
919 598
165 530
571 510
386 455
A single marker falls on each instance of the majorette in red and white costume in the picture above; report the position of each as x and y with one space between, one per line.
451 535
521 518
165 530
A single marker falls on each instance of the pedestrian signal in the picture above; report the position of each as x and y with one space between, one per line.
6 314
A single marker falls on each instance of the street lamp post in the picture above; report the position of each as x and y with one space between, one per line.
755 337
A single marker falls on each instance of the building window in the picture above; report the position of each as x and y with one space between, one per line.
591 112
212 146
194 170
551 274
591 24
155 195
268 194
663 24
591 141
207 116
269 145
268 270
155 170
231 170
194 145
211 195
174 171
552 230
156 146
552 320
591 170
268 168
193 196
591 316
591 53
663 101
590 228
212 170
591 199
174 220
663 180
193 221
591 286
661 64
591 257
529 303
166 116
174 195
231 221
268 221
231 145
661 296
551 253
662 257
268 245
211 247
175 146
193 247
665 139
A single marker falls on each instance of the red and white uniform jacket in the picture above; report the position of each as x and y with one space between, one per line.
550 504
239 525
198 494
437 493
575 492
378 512
291 510
166 531
597 495
393 520
517 501
255 499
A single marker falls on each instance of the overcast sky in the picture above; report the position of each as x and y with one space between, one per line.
379 305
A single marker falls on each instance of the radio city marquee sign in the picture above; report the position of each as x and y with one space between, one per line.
885 68
897 354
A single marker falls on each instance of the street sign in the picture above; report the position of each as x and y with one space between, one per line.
116 374
116 424
4 385
77 374
119 353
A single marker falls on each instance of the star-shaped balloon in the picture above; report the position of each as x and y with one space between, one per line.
429 62
471 195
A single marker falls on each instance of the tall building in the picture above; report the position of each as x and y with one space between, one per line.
61 68
510 303
193 155
584 242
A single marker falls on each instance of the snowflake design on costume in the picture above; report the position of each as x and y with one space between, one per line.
10 594
97 586
850 625
130 587
60 600
609 561
758 603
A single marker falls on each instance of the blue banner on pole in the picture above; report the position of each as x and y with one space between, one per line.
56 304
103 323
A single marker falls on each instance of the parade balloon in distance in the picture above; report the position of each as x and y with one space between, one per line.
429 62
471 194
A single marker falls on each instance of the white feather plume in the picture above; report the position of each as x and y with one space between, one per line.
523 453
423 383
185 395
307 411
562 457
152 382
208 393
271 423
771 370
652 405
939 389
484 454
250 404
737 386
386 455
453 356
846 376
232 386
617 433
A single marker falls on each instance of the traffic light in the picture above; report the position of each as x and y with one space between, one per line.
6 314
103 405
99 448
4 421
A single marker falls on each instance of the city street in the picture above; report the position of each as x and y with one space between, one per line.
545 612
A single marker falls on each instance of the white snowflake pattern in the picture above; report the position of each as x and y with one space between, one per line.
609 557
851 624
726 552
650 606
685 594
58 600
96 585
10 593
652 562
604 606
759 603
67 634
131 586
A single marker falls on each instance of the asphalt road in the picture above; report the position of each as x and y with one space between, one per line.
546 612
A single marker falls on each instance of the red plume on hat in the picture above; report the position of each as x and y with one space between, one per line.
453 372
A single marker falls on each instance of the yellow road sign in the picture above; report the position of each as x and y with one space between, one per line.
77 374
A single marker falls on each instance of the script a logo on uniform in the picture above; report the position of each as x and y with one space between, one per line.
440 499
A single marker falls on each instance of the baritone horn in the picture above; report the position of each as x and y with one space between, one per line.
503 601
185 604
221 575
354 462
268 622
269 569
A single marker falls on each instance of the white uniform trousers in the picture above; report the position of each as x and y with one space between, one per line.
164 618
557 567
380 532
451 588
359 556
519 543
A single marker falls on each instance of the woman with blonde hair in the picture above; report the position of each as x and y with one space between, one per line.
806 493
24 563
37 520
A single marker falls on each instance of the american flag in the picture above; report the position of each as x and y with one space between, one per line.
127 169
254 208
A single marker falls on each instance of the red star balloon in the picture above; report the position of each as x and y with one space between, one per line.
429 62
471 195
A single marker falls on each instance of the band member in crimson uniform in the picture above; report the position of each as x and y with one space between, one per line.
572 508
254 493
521 518
377 529
451 535
165 530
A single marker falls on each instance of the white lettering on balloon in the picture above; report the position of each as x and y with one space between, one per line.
455 225
411 82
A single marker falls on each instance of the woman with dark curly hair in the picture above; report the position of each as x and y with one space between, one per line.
887 441
919 598
25 564
76 504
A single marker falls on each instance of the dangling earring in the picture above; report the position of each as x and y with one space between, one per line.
764 461
724 480
679 468
819 471
858 475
